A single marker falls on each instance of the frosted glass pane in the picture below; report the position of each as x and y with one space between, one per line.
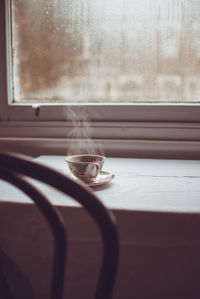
106 50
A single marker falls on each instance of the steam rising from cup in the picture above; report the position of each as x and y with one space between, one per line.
80 136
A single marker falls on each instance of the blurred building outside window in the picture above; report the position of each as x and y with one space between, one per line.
108 51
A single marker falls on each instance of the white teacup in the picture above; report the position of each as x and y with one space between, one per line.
85 167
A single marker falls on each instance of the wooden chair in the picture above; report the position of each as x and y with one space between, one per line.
15 168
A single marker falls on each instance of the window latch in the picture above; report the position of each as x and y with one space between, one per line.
36 109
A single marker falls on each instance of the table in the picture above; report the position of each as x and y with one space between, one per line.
157 205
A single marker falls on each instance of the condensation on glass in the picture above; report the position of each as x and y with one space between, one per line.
106 50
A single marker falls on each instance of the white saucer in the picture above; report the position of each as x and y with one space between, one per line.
102 178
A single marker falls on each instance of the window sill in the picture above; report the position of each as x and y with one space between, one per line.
122 139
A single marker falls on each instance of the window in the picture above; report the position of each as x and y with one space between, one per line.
106 51
129 67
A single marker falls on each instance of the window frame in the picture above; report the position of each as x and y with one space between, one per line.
146 122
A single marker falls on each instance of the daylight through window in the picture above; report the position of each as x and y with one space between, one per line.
106 51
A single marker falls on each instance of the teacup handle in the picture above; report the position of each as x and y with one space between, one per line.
94 169
97 168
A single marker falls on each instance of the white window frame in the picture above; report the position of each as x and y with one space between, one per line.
143 130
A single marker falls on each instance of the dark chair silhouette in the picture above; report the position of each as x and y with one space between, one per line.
14 168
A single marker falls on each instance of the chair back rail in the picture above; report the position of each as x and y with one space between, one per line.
55 222
104 219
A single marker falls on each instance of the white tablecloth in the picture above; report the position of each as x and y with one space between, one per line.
157 205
